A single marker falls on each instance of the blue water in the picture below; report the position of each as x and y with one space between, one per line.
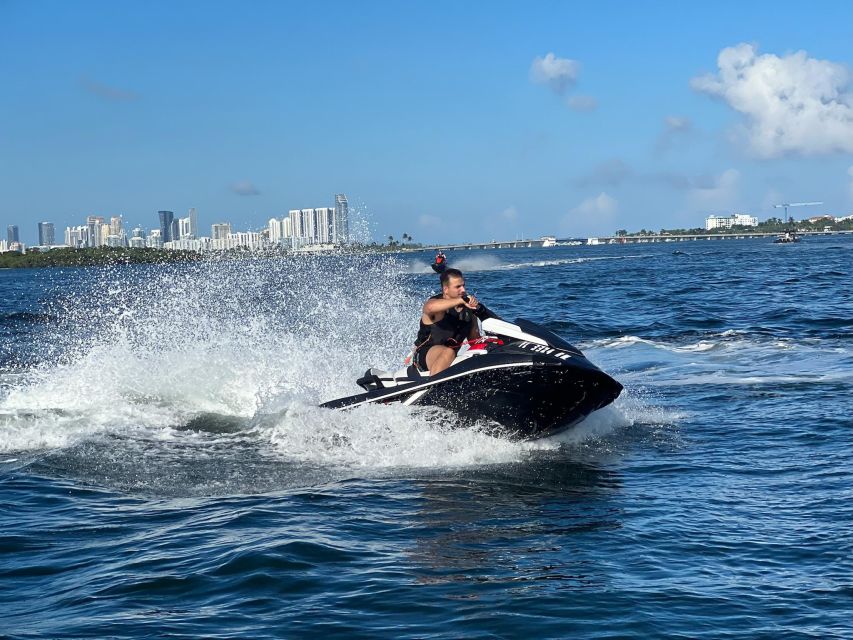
165 471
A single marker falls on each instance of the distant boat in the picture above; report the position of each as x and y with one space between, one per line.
785 238
549 241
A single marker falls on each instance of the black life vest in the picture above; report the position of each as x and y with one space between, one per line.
450 331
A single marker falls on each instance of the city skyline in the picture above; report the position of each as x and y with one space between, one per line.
556 119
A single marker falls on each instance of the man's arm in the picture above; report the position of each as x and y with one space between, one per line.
438 305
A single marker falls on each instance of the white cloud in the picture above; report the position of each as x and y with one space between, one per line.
582 103
426 220
510 214
677 124
592 216
600 205
245 188
791 104
719 192
557 73
675 128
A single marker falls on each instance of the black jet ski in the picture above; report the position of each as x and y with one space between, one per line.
440 263
520 381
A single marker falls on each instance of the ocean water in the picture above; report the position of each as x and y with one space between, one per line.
165 470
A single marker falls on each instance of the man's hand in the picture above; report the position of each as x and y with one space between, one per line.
470 301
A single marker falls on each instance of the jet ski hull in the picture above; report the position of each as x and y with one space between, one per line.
524 403
513 392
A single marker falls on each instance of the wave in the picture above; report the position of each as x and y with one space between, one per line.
239 350
728 357
488 262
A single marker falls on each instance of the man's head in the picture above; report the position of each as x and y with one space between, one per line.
452 283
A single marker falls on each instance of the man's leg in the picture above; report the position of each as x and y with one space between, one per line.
438 358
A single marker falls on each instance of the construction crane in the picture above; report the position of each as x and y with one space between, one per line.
785 205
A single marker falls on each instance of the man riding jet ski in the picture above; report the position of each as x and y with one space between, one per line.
440 263
517 380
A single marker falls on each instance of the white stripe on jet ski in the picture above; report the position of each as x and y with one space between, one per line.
423 389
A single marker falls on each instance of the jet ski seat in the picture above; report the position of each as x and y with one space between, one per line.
379 379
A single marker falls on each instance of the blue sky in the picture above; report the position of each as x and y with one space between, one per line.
445 120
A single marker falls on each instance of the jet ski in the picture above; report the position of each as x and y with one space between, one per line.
519 381
440 263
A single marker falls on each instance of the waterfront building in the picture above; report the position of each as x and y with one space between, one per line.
116 226
4 246
46 234
12 235
167 218
727 222
247 240
94 225
311 226
189 244
341 235
274 227
137 242
220 230
300 223
327 232
77 237
192 214
184 229
155 239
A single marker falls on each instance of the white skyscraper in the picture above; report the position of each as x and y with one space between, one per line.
185 228
274 225
193 218
341 235
220 230
302 225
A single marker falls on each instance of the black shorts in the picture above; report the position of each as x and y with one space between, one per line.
421 354
420 357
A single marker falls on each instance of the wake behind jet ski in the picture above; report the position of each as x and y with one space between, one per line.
519 380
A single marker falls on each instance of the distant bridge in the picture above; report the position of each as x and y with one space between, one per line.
651 238
494 244
689 237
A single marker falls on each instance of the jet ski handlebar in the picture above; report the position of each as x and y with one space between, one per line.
482 312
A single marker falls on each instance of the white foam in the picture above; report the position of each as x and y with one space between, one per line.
148 350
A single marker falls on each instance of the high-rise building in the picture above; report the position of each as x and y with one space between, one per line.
324 225
166 220
220 230
193 216
184 229
341 220
274 228
12 234
94 224
46 234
